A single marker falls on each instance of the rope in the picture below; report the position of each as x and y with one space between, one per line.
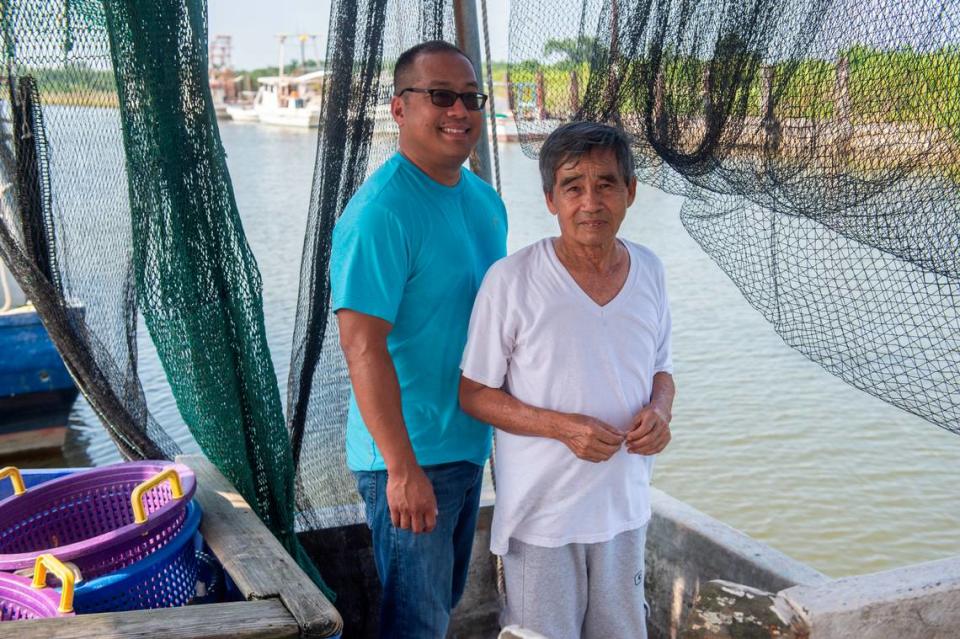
493 106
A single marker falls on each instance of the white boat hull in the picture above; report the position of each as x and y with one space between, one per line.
304 118
241 114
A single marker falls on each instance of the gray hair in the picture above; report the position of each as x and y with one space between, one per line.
570 142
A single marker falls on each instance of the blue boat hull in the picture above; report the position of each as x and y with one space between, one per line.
32 375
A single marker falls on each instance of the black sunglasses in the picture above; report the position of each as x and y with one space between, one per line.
445 99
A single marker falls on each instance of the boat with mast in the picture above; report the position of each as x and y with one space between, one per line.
285 100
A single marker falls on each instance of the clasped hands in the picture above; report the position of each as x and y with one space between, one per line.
593 440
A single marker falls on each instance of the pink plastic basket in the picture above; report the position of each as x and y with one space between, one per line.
87 518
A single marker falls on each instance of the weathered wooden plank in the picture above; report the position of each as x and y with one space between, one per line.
236 620
252 556
15 446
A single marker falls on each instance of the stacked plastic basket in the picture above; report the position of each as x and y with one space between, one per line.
121 537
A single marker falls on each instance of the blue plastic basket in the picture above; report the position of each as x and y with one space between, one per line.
164 579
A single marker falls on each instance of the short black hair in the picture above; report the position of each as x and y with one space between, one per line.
405 62
569 142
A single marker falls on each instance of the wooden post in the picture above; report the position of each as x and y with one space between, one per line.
574 92
768 118
659 110
511 97
541 96
841 92
468 39
842 106
612 93
707 94
614 29
766 92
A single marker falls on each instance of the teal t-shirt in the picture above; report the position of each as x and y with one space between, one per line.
413 252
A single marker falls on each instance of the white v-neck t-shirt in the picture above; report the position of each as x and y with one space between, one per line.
537 334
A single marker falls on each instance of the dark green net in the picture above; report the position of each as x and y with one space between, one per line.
116 148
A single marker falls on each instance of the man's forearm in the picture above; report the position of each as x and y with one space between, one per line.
502 410
588 438
410 496
663 393
375 386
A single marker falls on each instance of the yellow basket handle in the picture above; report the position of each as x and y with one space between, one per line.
15 479
136 498
48 561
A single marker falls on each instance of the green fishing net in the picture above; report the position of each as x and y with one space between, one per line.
118 203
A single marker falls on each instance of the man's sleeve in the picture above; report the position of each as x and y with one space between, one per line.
490 338
369 263
664 361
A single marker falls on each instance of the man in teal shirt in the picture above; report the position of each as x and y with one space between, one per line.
409 254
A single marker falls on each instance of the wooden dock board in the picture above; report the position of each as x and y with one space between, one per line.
15 447
236 620
252 556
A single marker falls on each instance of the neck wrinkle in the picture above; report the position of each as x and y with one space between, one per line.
602 260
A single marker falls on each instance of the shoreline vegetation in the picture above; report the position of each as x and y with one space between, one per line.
920 87
893 110
883 105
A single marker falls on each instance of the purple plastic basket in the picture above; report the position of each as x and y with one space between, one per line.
87 519
19 600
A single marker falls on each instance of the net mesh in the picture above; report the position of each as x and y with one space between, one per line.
65 219
818 145
117 201
357 135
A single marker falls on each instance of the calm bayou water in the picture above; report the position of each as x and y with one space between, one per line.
764 439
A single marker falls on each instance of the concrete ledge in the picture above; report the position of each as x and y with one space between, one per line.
915 602
687 548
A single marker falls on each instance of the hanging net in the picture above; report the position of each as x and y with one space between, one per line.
357 135
65 218
818 145
117 201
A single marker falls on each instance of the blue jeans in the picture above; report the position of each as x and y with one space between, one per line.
423 575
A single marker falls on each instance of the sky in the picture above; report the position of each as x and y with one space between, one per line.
253 25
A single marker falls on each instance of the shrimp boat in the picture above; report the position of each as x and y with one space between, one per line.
242 112
287 101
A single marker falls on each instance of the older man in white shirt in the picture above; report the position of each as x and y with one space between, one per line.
568 356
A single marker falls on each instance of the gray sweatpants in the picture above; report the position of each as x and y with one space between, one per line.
588 591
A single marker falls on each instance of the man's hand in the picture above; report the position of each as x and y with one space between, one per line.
411 500
651 431
590 439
